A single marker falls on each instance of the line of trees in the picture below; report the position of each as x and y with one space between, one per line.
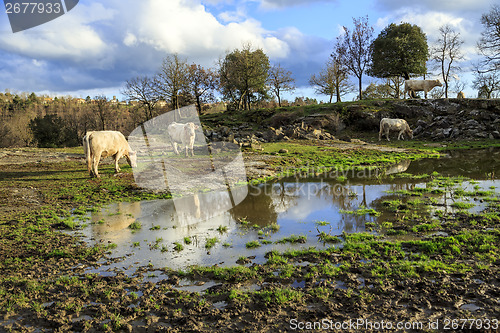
27 119
401 52
244 77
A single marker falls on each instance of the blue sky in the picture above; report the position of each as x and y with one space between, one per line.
98 45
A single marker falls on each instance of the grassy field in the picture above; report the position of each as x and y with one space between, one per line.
44 284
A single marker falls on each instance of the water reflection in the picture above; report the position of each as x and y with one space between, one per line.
296 205
398 168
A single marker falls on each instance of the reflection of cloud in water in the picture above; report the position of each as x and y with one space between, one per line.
398 168
295 210
111 223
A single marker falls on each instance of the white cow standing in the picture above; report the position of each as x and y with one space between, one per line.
183 133
387 124
421 85
97 144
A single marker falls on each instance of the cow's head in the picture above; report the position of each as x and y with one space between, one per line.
132 159
189 129
409 132
438 83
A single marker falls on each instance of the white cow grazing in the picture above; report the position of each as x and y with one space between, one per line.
183 133
421 85
97 144
400 125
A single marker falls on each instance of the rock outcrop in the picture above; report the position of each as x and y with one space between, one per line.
450 119
430 119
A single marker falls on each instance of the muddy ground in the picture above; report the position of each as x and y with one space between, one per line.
440 283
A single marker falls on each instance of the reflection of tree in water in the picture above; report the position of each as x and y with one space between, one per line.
264 202
112 223
476 163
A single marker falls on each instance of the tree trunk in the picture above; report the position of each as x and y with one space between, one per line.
360 89
198 104
411 92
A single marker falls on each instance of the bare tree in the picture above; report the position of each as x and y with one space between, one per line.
489 43
202 83
172 79
458 86
487 83
446 53
354 49
332 80
396 84
280 80
142 89
103 110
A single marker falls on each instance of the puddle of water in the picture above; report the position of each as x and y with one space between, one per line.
220 305
196 287
340 285
299 284
175 233
470 307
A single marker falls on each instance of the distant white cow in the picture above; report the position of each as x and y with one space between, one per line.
97 144
400 125
421 85
183 133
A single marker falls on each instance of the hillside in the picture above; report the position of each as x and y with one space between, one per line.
433 119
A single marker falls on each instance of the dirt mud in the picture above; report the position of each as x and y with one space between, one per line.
49 281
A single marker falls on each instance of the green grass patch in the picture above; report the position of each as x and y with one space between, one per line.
292 239
210 243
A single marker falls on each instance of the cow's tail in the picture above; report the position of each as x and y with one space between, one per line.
86 149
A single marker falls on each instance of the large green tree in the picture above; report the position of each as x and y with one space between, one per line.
243 75
399 50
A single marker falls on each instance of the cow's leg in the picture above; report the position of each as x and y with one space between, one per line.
174 144
399 134
117 158
187 148
95 164
380 133
387 134
89 165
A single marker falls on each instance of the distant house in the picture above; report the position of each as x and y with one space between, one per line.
80 100
47 100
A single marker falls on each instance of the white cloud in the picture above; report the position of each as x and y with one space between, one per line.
439 5
68 38
106 42
275 4
430 22
130 39
237 15
173 27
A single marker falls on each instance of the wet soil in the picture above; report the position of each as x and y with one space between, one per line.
46 285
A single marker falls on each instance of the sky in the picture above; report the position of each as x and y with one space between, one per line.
100 44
